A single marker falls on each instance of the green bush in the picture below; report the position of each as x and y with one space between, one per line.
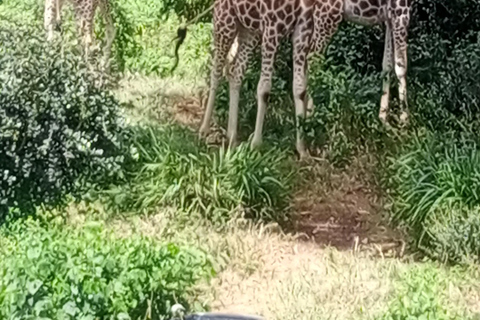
178 171
144 34
56 126
61 272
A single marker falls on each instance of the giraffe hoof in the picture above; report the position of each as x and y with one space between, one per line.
256 143
404 118
203 132
304 155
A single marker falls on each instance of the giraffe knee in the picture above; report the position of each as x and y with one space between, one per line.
302 94
263 91
264 96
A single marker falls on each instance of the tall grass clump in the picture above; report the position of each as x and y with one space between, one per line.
435 190
173 169
453 234
61 272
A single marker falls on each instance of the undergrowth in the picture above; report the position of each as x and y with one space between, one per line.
174 169
60 272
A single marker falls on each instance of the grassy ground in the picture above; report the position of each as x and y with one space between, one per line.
340 260
263 271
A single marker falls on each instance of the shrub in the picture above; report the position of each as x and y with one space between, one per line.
178 171
144 34
55 125
61 272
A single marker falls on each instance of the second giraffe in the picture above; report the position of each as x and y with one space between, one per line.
310 24
85 14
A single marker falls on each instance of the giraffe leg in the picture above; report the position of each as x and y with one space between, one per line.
310 106
224 36
88 38
300 53
85 17
387 68
269 48
246 43
50 18
400 41
109 32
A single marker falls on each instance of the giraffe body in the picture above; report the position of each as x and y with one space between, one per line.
310 24
85 15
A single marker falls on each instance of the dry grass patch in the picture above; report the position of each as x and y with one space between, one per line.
302 281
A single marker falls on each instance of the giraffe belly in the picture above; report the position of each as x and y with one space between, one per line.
255 15
370 15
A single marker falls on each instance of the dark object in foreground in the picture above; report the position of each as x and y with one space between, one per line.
178 312
220 316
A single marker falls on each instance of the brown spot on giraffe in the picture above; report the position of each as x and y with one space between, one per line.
364 5
371 12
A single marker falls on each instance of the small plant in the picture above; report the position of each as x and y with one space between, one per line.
59 272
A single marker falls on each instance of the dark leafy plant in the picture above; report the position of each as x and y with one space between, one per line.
431 173
56 126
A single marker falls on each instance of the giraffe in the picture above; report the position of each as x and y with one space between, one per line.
310 24
85 15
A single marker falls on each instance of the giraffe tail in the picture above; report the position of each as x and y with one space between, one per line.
181 35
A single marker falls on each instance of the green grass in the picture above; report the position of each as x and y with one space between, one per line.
174 169
425 292
431 176
263 272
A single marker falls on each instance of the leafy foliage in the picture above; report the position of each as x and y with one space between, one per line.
63 273
434 186
55 125
178 171
144 34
